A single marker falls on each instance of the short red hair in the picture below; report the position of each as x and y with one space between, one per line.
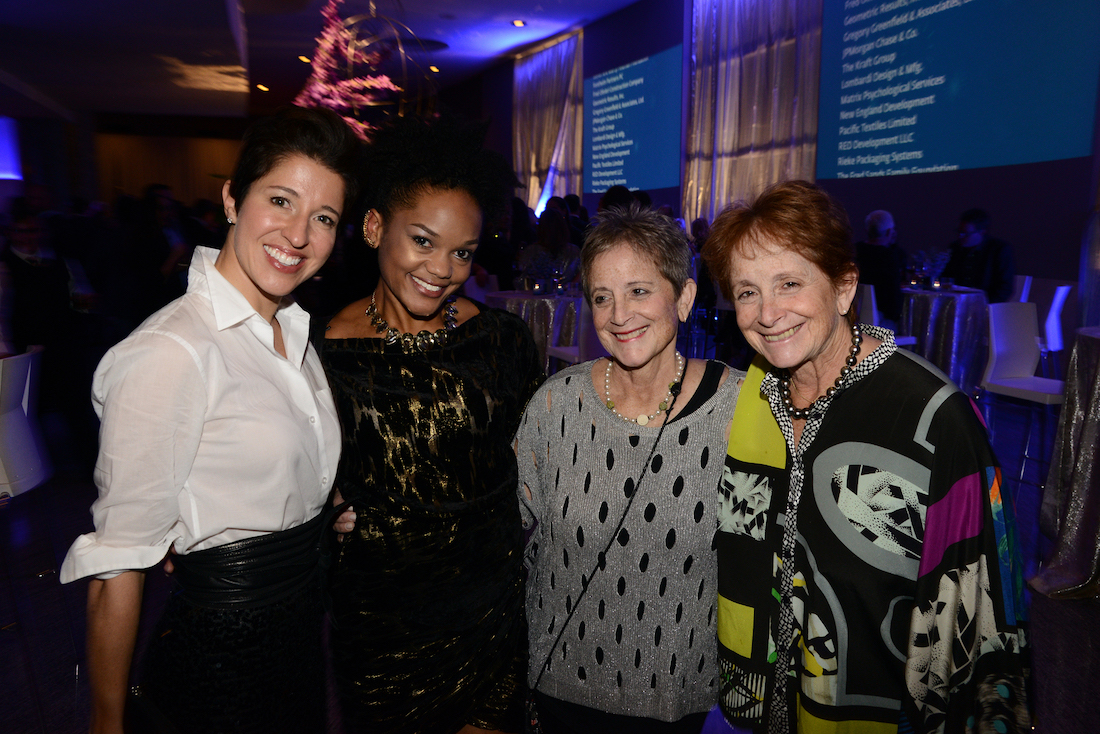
796 215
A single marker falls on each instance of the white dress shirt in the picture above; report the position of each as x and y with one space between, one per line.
208 434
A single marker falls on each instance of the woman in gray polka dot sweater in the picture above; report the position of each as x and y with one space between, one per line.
619 463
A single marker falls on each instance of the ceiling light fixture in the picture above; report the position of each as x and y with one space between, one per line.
304 59
262 88
519 23
434 68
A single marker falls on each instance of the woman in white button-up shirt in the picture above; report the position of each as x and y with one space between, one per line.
219 442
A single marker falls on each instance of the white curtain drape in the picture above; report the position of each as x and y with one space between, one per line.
753 117
547 117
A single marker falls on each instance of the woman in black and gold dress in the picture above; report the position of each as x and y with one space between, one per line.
427 588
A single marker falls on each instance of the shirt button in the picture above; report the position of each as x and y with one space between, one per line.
324 480
313 419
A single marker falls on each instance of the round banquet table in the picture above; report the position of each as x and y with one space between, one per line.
546 314
952 330
1071 501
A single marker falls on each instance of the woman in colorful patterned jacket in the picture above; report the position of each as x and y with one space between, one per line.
868 573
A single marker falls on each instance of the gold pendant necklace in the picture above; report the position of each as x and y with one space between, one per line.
643 419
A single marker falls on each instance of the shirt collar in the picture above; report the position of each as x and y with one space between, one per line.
232 308
771 389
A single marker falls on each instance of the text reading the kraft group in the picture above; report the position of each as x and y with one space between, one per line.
885 86
614 96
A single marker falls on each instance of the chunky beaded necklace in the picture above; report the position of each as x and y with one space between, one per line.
849 363
643 419
423 340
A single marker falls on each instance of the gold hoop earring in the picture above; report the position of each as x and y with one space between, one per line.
366 236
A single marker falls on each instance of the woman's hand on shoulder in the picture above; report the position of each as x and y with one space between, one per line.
467 309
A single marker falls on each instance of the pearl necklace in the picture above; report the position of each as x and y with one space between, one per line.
643 419
849 363
423 340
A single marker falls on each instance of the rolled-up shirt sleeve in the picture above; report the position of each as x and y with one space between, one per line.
151 396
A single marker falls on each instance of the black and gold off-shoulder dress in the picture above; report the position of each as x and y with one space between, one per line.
427 590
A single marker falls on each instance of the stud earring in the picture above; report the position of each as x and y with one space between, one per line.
229 220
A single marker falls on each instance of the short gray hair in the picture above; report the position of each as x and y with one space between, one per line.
648 233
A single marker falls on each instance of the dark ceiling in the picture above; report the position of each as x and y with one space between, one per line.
73 58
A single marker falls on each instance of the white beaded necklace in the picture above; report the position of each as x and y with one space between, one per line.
643 419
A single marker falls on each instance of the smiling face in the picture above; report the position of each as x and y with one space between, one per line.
425 254
788 309
283 231
635 308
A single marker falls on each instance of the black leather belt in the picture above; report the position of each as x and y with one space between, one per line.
255 572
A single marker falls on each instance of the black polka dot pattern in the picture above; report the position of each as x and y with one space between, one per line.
643 627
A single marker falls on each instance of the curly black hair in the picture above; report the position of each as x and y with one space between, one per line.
408 156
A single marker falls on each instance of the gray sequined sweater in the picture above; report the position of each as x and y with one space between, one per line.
642 641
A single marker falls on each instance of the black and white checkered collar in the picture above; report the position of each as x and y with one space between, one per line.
771 386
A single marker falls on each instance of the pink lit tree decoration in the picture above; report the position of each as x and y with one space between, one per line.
337 80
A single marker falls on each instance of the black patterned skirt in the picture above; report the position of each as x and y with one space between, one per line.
253 663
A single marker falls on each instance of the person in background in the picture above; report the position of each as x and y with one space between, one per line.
869 572
162 242
427 587
219 442
45 299
619 462
576 232
980 261
494 255
523 229
615 196
700 230
204 225
38 302
882 264
552 256
706 297
575 221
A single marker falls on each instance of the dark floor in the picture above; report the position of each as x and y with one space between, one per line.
44 688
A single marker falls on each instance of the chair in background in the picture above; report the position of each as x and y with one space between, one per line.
868 314
1013 358
1051 343
1022 291
587 345
474 292
24 463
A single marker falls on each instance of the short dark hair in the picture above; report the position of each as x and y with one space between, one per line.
558 203
617 195
795 215
408 156
553 232
316 133
978 217
647 233
573 202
